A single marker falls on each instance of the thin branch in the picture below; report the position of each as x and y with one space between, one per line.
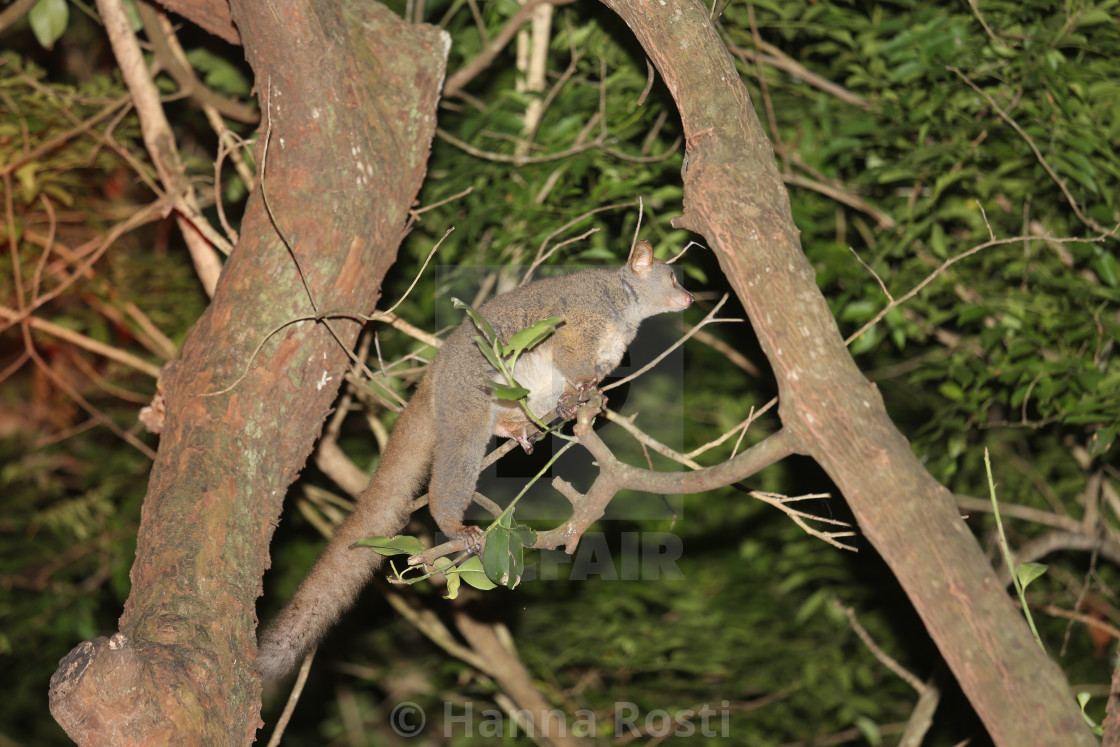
884 658
434 205
14 12
740 429
104 384
944 266
649 441
428 623
542 255
517 159
160 142
457 80
614 476
879 280
101 417
764 89
1037 153
921 718
293 698
836 191
1026 513
801 518
1080 617
771 55
420 272
535 71
709 319
1057 541
82 341
84 126
171 58
731 354
987 29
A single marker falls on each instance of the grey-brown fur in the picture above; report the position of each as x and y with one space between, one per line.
450 418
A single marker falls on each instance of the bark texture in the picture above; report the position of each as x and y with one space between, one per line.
734 196
349 94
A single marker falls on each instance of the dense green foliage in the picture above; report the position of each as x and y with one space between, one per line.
981 167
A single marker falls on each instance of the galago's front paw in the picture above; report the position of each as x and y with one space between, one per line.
570 401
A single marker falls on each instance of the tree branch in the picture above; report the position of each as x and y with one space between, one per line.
734 196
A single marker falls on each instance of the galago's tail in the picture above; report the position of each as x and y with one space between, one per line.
341 572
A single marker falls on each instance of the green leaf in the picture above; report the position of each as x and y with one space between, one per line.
949 390
451 573
488 352
472 572
812 605
1106 267
1102 441
504 555
483 325
219 73
402 544
28 180
1028 572
530 337
1083 700
870 730
48 19
504 391
1095 17
525 535
859 311
598 253
694 272
134 20
495 556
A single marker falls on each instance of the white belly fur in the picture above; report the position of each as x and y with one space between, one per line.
536 372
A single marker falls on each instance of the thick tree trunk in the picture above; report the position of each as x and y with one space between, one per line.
349 94
734 196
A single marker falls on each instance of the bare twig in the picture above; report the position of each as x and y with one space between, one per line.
885 659
293 698
944 266
764 89
801 518
709 319
615 475
879 280
465 74
101 417
728 352
14 12
542 255
834 190
740 429
771 55
1080 617
517 159
160 142
1037 153
171 57
649 441
82 341
921 718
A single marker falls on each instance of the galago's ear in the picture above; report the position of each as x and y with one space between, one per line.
641 257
